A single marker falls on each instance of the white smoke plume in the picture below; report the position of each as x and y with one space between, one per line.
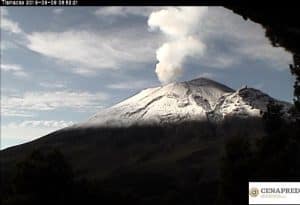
180 26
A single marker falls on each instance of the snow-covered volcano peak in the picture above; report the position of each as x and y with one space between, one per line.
205 82
197 99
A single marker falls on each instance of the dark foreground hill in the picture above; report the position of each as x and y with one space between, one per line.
186 163
149 162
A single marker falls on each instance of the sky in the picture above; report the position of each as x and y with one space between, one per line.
61 65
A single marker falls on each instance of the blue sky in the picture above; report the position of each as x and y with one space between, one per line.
59 66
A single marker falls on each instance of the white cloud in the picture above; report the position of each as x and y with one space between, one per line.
84 71
11 67
277 57
58 10
7 24
214 57
41 123
8 90
17 133
121 11
43 101
207 75
52 85
6 44
241 40
12 136
16 70
15 112
86 52
130 85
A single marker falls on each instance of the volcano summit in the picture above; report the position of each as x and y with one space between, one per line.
199 99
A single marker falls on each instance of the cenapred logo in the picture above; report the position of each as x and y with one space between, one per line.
274 192
254 192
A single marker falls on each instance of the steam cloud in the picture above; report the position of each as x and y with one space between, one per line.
180 26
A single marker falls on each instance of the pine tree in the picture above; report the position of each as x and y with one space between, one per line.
295 69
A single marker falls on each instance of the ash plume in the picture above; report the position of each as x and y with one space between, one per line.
179 24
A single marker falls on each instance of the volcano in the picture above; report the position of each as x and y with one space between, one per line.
200 99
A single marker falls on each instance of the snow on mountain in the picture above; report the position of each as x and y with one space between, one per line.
199 99
245 102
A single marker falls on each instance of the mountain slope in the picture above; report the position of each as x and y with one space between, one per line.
199 99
